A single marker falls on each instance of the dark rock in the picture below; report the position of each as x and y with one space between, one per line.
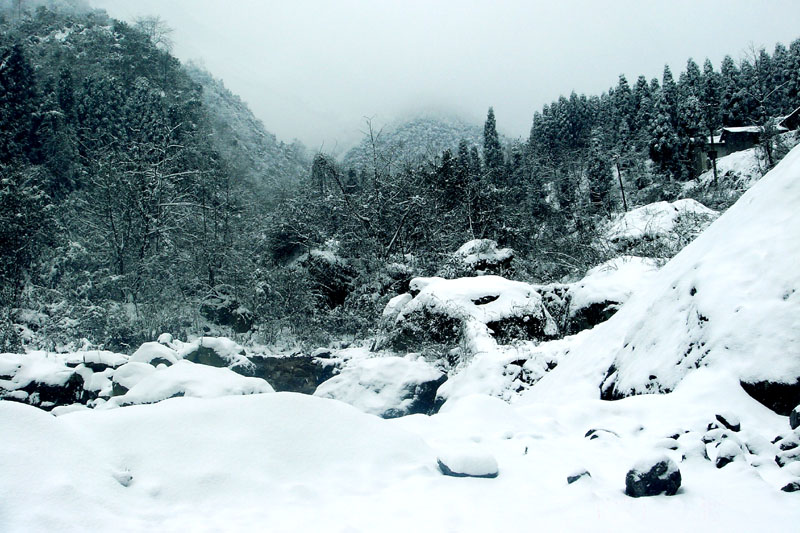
117 389
789 456
780 397
788 445
425 328
597 433
794 418
794 486
423 399
729 421
330 277
444 469
301 374
575 477
224 310
48 396
526 328
155 361
205 355
588 317
663 477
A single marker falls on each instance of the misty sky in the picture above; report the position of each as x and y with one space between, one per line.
312 69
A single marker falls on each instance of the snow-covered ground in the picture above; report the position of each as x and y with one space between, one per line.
723 311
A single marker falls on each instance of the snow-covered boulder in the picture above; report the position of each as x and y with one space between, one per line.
97 360
41 379
596 297
155 354
128 375
185 378
479 257
389 387
215 351
225 310
653 476
467 461
660 226
794 418
478 312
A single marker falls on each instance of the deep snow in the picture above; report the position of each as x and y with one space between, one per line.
288 462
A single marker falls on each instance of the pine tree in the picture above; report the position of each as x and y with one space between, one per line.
17 104
492 150
598 173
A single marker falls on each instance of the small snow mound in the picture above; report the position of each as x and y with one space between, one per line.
188 379
467 461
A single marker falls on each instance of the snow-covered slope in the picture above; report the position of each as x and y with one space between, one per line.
730 301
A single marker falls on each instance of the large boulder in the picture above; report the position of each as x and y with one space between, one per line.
477 312
794 418
389 387
216 351
43 380
300 373
188 379
652 477
479 257
225 310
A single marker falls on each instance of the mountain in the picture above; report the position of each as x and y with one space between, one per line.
263 161
420 139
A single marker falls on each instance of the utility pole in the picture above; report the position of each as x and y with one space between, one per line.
621 188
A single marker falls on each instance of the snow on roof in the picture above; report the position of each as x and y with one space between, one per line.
744 129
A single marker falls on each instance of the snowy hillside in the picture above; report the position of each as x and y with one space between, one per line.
728 301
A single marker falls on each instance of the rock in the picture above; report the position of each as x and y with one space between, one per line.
468 462
224 310
590 316
219 352
793 486
124 478
165 339
389 387
330 275
780 397
47 395
597 433
577 475
652 477
730 421
727 452
301 374
794 418
154 354
472 312
482 256
783 458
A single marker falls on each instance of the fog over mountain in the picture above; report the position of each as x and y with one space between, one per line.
311 70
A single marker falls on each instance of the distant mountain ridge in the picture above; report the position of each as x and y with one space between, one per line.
416 140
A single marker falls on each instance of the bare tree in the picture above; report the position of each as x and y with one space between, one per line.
157 30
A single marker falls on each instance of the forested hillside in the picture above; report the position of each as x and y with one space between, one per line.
129 187
141 196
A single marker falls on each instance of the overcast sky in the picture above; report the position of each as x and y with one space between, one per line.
312 69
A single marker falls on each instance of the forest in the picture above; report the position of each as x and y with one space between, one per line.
135 200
